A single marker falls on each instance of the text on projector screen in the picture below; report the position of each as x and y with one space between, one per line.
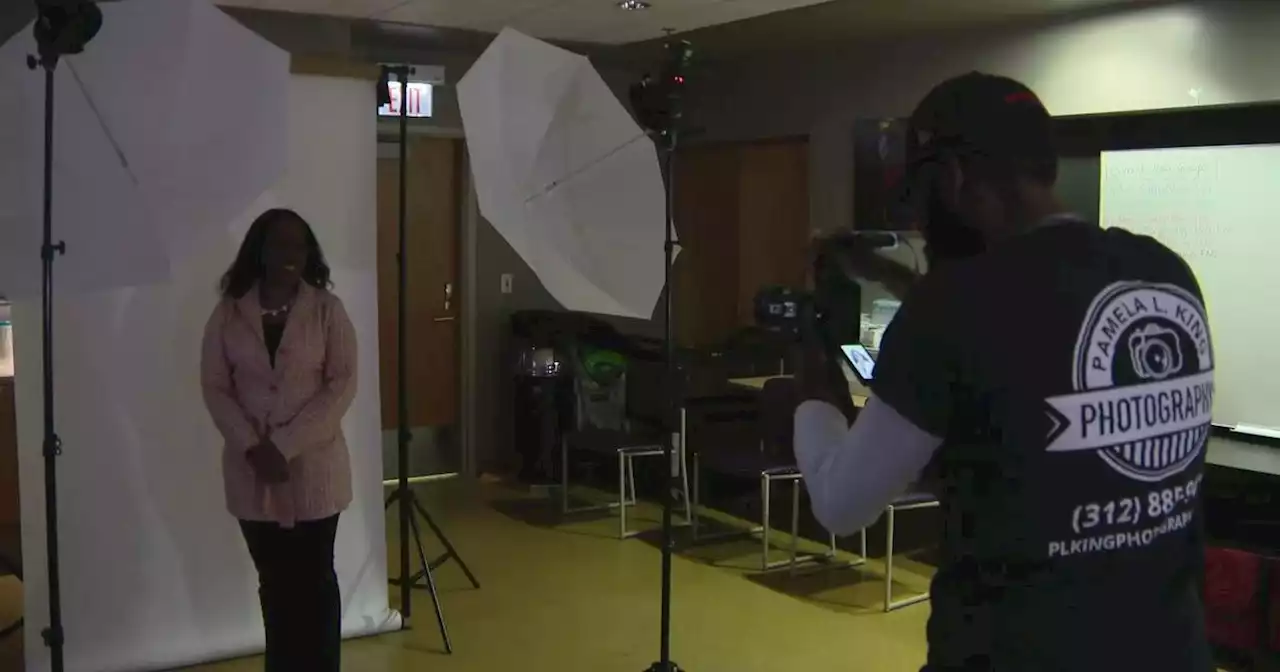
1193 235
1210 205
420 101
1186 185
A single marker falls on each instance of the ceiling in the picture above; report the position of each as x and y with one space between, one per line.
594 21
823 24
726 25
720 29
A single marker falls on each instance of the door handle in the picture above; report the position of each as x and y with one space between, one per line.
449 318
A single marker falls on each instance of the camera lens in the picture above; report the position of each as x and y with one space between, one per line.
1157 358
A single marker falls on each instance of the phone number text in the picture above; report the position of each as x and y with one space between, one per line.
1133 510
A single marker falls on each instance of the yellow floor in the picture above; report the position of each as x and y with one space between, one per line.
569 597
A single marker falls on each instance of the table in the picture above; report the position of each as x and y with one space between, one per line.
757 384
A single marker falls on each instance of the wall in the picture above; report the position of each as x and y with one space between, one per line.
13 16
1168 56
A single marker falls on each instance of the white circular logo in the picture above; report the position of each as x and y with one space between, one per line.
1143 380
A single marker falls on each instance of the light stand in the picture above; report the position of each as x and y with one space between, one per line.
657 106
410 507
65 28
667 141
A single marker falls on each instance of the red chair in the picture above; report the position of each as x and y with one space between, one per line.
1273 608
1233 613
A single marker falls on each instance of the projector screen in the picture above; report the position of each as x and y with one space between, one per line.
1216 207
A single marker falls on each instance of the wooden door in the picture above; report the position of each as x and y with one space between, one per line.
705 274
742 211
773 219
432 248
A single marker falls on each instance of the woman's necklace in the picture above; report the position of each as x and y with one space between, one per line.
277 312
281 310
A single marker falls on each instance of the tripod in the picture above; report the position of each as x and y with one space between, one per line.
59 30
409 506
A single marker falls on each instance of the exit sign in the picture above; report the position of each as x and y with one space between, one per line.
419 100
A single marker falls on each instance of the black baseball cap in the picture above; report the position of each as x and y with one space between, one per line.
982 114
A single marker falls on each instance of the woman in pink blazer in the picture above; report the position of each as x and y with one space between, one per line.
278 370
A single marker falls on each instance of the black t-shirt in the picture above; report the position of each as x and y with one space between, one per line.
1070 373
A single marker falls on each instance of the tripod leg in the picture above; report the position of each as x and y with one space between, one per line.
431 586
450 551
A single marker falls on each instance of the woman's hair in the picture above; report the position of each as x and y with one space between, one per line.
246 270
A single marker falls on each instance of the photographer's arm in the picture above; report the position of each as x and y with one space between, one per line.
860 261
853 472
896 278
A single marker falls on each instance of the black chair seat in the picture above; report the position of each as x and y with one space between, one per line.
914 498
746 464
610 441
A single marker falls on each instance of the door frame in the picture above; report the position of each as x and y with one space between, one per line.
469 218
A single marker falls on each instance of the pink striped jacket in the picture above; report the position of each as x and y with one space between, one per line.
299 403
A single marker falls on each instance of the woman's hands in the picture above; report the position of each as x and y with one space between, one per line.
268 463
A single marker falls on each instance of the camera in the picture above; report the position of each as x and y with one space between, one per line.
827 317
781 309
1155 353
831 313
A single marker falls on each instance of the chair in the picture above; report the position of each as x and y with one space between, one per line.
645 404
753 351
11 565
911 501
772 462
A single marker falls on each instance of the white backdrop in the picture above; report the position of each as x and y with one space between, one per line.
155 574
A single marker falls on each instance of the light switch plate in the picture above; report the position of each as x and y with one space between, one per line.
507 280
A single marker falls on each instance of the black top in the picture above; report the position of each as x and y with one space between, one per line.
272 333
1070 373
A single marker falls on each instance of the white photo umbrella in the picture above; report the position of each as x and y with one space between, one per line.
565 175
174 118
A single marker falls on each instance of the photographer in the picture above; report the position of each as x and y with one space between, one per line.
1055 380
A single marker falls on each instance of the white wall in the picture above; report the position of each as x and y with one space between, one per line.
155 574
1170 56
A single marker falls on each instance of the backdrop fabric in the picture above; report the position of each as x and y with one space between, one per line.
155 574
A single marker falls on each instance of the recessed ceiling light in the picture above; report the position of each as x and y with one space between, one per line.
633 5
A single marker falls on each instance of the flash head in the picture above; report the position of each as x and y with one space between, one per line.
65 27
658 102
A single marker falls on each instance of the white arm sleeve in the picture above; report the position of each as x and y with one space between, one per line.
853 473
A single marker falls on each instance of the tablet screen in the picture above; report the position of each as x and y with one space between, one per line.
860 360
